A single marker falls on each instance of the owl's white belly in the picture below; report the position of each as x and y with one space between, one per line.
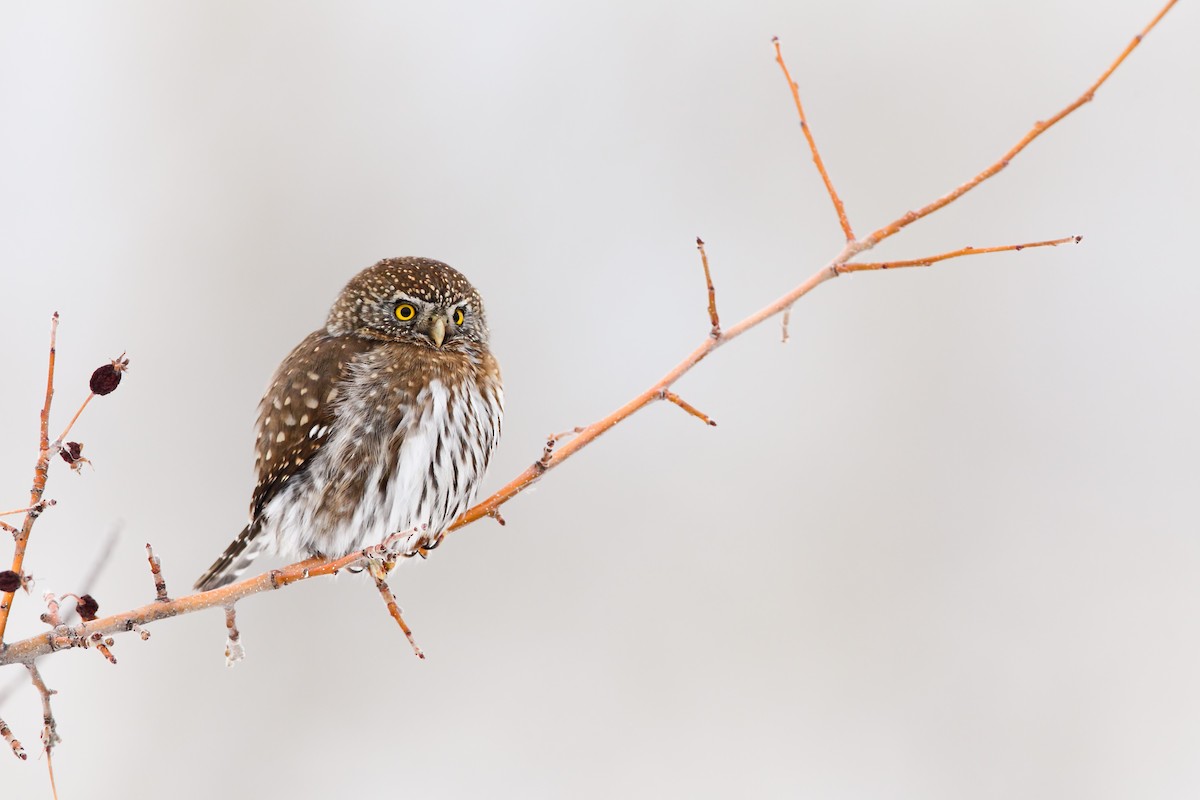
420 476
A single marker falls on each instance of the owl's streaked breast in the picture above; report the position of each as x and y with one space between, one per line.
406 450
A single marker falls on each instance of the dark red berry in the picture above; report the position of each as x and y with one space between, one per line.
87 607
105 379
9 581
71 452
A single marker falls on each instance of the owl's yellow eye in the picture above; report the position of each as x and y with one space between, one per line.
405 312
459 317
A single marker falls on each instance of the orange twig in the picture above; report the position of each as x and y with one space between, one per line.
39 480
1037 130
812 145
389 599
715 332
688 407
965 251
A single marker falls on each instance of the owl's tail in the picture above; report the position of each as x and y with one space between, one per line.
233 562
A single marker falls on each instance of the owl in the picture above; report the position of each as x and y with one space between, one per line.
380 422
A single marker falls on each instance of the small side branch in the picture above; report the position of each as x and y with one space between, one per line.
50 736
965 251
160 583
688 407
812 145
13 741
234 652
379 571
715 331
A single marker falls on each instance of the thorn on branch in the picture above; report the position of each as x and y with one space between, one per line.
13 741
160 583
679 401
234 652
715 331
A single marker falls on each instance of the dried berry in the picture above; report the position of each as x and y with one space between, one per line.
9 581
87 607
71 452
108 377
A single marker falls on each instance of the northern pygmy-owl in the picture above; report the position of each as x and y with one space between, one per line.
381 421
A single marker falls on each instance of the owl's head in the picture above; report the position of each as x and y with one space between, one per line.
410 299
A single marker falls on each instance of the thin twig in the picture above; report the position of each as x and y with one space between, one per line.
160 583
1040 127
688 407
50 735
812 145
234 651
787 318
965 251
715 331
13 741
379 570
40 469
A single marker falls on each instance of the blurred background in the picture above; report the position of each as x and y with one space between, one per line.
943 543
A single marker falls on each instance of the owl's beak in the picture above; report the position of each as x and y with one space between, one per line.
437 330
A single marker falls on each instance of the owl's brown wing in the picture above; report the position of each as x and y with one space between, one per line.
297 412
294 421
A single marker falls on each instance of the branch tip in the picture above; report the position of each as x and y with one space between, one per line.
715 331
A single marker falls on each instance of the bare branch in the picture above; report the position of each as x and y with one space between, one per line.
831 270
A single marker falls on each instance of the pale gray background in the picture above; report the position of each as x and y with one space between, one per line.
943 544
